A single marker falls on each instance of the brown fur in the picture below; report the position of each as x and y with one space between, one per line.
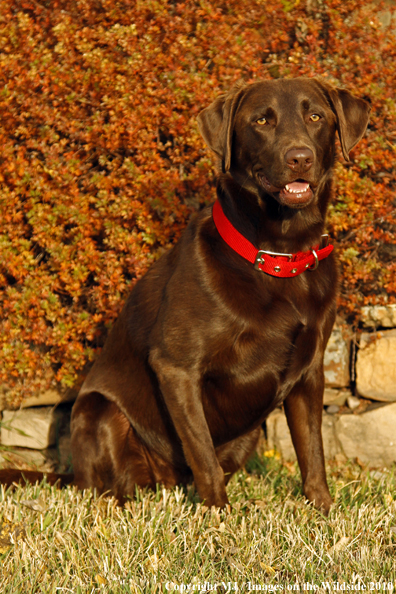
206 346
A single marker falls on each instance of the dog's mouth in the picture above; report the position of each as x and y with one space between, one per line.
296 194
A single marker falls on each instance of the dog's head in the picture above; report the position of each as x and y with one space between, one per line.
278 137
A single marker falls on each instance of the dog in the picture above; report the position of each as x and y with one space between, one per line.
233 321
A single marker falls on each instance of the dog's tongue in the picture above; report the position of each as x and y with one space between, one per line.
297 187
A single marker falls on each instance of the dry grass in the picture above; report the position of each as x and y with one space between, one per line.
69 541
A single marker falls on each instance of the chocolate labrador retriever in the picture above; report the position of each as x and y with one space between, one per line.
234 319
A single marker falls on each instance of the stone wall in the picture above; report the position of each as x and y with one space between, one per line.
359 416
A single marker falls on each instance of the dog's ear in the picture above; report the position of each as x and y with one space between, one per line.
216 124
352 116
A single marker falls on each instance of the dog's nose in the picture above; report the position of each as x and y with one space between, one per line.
299 159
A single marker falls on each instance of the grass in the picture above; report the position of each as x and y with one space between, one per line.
70 541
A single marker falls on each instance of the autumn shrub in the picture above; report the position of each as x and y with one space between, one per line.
101 162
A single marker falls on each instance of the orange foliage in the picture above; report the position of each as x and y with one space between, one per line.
102 163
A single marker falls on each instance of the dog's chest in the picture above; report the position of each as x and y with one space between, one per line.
273 346
250 377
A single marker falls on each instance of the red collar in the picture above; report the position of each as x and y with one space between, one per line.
281 265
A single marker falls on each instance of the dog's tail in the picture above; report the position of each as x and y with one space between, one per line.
8 476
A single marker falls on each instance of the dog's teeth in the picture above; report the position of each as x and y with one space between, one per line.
296 190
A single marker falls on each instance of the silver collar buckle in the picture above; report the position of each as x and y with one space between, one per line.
260 257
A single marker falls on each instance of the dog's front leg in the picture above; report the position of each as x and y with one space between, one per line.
304 408
181 391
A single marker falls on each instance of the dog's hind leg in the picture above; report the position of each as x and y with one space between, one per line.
109 455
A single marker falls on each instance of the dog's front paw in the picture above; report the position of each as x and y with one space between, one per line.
320 498
215 499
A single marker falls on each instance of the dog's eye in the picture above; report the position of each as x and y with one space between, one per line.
314 117
261 121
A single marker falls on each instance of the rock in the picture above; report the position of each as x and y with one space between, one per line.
374 316
330 445
2 398
341 459
371 436
334 396
333 409
387 18
23 457
378 475
30 428
353 402
336 361
54 459
46 398
376 366
278 436
49 397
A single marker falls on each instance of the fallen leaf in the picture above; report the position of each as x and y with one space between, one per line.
100 579
34 504
341 544
9 534
267 568
290 467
